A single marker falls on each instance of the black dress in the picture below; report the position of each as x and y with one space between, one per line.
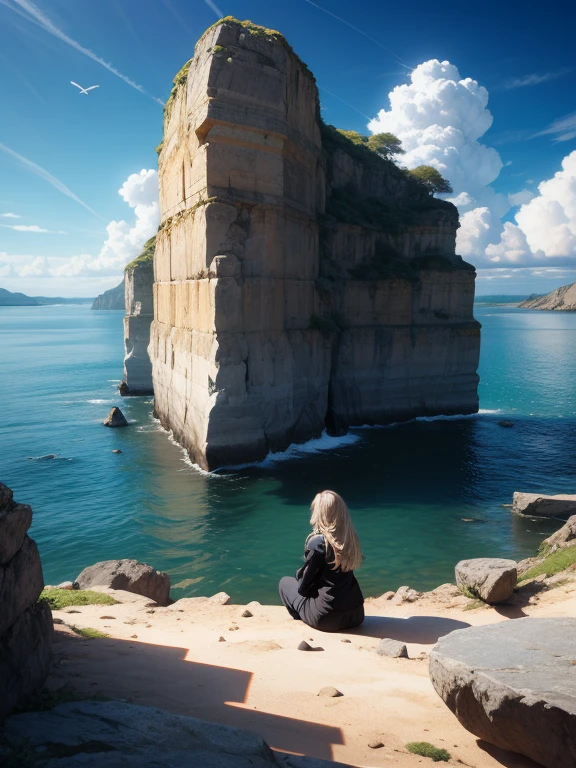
325 598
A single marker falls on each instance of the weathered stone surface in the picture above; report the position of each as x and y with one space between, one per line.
5 496
492 579
115 418
187 603
564 537
21 582
393 648
120 735
514 685
538 505
15 519
128 575
404 595
330 692
138 281
271 322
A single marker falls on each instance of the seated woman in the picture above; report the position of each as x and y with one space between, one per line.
325 593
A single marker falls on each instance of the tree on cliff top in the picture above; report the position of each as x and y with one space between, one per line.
384 144
432 179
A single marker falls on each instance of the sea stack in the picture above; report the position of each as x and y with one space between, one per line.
302 282
138 282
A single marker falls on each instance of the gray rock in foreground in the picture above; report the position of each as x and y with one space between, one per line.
393 648
129 575
120 735
537 505
492 579
514 685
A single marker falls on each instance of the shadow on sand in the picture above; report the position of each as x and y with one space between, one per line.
426 630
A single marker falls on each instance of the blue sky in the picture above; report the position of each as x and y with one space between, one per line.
91 144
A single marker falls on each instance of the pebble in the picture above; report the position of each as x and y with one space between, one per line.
221 639
375 744
247 614
345 640
72 610
134 636
107 617
151 611
304 646
330 692
56 620
232 629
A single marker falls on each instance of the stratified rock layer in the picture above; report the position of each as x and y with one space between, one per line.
514 685
25 625
138 282
301 282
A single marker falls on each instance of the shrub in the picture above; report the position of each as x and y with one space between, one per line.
62 598
425 749
554 563
89 633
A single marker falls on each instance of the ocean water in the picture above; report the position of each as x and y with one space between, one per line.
423 494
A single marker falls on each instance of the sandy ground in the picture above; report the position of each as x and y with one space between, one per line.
256 678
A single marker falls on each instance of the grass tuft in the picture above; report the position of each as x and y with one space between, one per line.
87 632
425 749
146 257
554 563
62 598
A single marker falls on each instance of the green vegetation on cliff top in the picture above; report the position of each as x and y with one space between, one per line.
555 563
63 598
425 749
146 257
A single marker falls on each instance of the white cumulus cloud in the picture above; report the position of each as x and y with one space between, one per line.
522 197
440 117
10 216
32 228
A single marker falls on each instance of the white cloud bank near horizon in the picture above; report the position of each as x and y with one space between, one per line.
123 243
440 118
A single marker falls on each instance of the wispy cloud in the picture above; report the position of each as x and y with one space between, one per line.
32 13
534 79
562 129
10 216
37 170
32 228
360 31
214 8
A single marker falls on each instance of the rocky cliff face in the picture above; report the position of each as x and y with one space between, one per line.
301 282
563 298
25 624
138 281
112 299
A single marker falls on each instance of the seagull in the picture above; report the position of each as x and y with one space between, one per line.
84 90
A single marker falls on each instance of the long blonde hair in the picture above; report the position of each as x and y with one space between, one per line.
331 519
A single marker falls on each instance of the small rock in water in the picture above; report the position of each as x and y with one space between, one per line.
65 585
507 424
116 450
330 692
375 744
247 614
393 648
123 389
115 419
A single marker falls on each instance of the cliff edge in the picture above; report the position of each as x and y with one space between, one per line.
111 299
301 281
138 282
563 299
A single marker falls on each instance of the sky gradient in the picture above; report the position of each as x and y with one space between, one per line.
65 229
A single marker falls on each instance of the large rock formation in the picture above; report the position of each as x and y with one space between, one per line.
25 624
128 575
561 506
138 282
514 685
563 298
301 281
111 299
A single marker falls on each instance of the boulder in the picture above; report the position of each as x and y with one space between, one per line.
15 519
21 582
564 537
128 575
393 648
492 579
513 684
405 595
25 653
115 419
538 505
116 734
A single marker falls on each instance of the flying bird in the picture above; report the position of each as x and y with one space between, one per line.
84 90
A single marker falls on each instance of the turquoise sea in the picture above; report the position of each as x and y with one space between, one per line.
423 494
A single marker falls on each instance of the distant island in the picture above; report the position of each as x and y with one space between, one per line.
563 299
111 299
500 299
9 299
